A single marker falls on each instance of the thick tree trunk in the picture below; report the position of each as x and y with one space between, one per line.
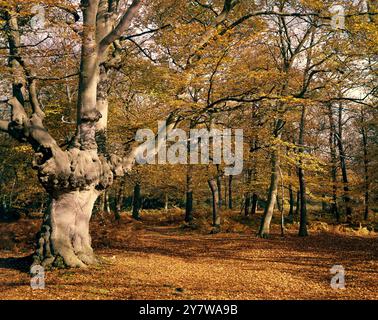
64 239
75 177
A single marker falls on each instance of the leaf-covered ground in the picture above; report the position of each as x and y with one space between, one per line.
159 259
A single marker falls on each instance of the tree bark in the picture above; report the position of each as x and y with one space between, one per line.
272 196
64 238
274 176
332 145
247 194
230 203
301 176
120 199
291 204
254 203
189 194
342 155
137 202
215 205
366 166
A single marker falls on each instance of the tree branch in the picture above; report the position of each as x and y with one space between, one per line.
122 26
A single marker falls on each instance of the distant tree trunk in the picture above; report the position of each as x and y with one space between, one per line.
120 198
215 198
166 202
230 204
102 203
247 194
366 166
189 194
332 138
219 186
278 203
302 184
107 202
291 204
297 206
137 201
342 155
254 204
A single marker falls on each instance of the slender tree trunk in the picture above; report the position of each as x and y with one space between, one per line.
273 188
297 205
247 194
278 203
332 138
366 167
137 201
230 204
120 198
189 194
342 155
254 204
302 183
166 202
219 186
107 202
215 198
291 204
272 196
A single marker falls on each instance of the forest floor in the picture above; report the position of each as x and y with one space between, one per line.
159 258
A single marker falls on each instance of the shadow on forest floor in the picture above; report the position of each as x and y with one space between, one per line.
16 263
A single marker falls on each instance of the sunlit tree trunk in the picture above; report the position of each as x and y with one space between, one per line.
272 196
273 187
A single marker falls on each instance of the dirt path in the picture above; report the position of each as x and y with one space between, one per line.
165 262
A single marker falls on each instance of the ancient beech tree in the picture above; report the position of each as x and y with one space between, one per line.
76 176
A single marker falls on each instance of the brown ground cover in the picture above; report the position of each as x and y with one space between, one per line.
159 259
